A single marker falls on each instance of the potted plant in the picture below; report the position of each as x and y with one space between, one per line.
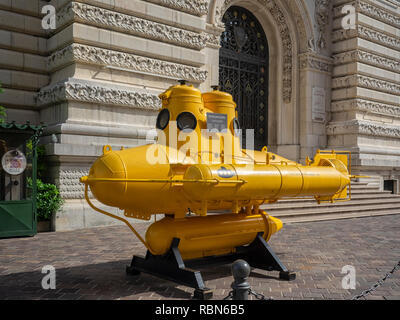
48 202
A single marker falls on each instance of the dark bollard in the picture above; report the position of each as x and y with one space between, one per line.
240 271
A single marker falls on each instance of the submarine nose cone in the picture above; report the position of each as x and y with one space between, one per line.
110 165
106 168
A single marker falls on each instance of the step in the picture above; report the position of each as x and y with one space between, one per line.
369 187
361 202
360 183
331 210
374 196
301 201
367 191
351 215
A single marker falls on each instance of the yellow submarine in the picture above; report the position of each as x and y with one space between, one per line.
207 187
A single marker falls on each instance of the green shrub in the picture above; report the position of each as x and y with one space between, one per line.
48 200
2 114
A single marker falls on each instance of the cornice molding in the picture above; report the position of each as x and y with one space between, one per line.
367 58
366 106
194 7
358 80
104 57
368 34
89 92
313 62
87 14
369 9
363 128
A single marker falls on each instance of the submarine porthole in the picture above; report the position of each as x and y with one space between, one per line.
162 119
186 121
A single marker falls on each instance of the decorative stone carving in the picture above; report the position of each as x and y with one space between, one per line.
365 106
284 32
368 58
368 34
85 91
93 55
219 14
377 13
311 46
378 36
310 61
358 80
194 7
213 40
363 128
369 9
297 9
322 11
69 184
76 11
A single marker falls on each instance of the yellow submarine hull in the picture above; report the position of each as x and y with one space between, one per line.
127 180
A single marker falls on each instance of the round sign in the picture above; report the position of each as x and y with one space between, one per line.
14 162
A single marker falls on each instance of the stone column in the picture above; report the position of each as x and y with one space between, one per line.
108 63
366 88
315 97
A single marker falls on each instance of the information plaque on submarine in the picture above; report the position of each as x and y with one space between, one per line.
217 122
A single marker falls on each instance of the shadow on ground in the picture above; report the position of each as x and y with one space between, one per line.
105 281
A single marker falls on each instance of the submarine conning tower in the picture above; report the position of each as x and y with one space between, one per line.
209 119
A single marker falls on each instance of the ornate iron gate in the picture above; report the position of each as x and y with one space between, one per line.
243 70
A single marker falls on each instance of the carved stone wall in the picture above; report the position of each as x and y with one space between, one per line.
366 86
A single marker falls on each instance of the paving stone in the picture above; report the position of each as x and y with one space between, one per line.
90 264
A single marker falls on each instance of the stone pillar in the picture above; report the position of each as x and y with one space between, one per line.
108 62
315 97
366 88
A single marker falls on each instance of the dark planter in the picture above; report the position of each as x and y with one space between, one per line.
44 226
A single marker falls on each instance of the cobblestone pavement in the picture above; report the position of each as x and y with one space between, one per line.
90 264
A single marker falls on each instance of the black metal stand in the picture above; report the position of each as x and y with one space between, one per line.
172 267
260 255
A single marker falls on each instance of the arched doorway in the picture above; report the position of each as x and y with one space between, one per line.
243 70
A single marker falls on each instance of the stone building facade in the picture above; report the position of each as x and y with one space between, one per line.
95 78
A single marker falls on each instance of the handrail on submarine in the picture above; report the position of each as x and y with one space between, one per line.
86 180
